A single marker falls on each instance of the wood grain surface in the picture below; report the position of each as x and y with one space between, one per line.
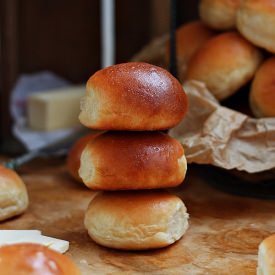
223 236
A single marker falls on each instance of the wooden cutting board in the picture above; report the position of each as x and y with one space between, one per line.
223 236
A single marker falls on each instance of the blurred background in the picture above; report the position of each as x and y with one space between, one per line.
63 36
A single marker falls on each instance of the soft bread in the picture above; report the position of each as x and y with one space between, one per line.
133 96
262 93
34 259
136 220
189 38
13 194
132 160
219 14
225 63
266 256
73 159
256 22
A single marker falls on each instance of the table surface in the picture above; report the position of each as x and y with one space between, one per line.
222 238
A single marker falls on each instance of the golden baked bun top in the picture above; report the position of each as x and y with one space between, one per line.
262 94
132 160
118 145
219 14
225 63
189 38
255 21
34 259
144 206
7 174
266 256
269 244
133 96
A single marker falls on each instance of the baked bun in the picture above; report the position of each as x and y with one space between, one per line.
13 194
225 63
73 159
132 160
262 93
256 22
189 38
266 256
136 220
133 96
219 14
34 259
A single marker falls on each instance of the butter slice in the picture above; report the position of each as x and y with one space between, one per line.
55 109
9 235
32 236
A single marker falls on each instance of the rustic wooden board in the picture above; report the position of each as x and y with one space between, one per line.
223 236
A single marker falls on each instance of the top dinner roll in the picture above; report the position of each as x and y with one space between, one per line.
219 14
225 63
133 96
256 22
266 256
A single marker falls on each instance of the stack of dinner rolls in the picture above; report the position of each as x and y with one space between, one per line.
131 103
230 49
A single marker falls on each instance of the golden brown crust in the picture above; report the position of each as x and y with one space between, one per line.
132 160
189 38
256 22
73 158
133 96
225 63
219 14
34 259
266 256
13 194
136 219
8 174
262 93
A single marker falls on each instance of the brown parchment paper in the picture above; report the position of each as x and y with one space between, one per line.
216 135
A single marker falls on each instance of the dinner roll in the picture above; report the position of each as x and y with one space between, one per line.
225 63
262 93
189 38
13 194
132 160
34 259
266 256
219 14
136 220
256 22
73 158
133 96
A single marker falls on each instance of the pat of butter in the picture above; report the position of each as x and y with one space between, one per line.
55 109
32 236
9 235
